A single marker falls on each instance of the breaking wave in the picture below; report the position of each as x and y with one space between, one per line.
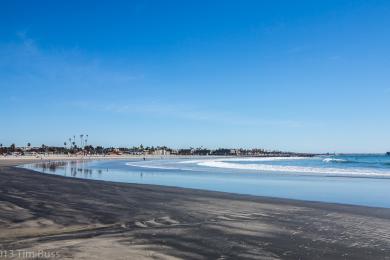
255 164
294 169
160 167
335 160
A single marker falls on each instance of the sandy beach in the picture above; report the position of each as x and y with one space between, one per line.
15 160
68 218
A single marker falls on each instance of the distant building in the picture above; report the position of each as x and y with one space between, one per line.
30 153
161 152
115 151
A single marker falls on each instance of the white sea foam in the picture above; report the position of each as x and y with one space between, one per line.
295 169
233 163
243 159
147 164
162 167
333 160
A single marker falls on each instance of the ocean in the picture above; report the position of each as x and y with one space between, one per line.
348 179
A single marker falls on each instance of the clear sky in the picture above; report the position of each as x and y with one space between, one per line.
291 75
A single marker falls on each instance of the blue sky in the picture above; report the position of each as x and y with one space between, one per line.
291 75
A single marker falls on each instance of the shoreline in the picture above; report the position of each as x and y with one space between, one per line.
316 195
127 156
312 203
41 211
17 159
291 200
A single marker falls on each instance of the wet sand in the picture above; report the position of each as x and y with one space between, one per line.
84 219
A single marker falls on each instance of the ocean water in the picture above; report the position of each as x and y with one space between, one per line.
348 179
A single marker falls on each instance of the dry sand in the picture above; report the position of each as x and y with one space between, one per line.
70 218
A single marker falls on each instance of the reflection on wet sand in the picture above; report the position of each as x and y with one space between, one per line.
74 168
77 169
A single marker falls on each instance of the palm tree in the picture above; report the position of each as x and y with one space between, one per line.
81 141
28 146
